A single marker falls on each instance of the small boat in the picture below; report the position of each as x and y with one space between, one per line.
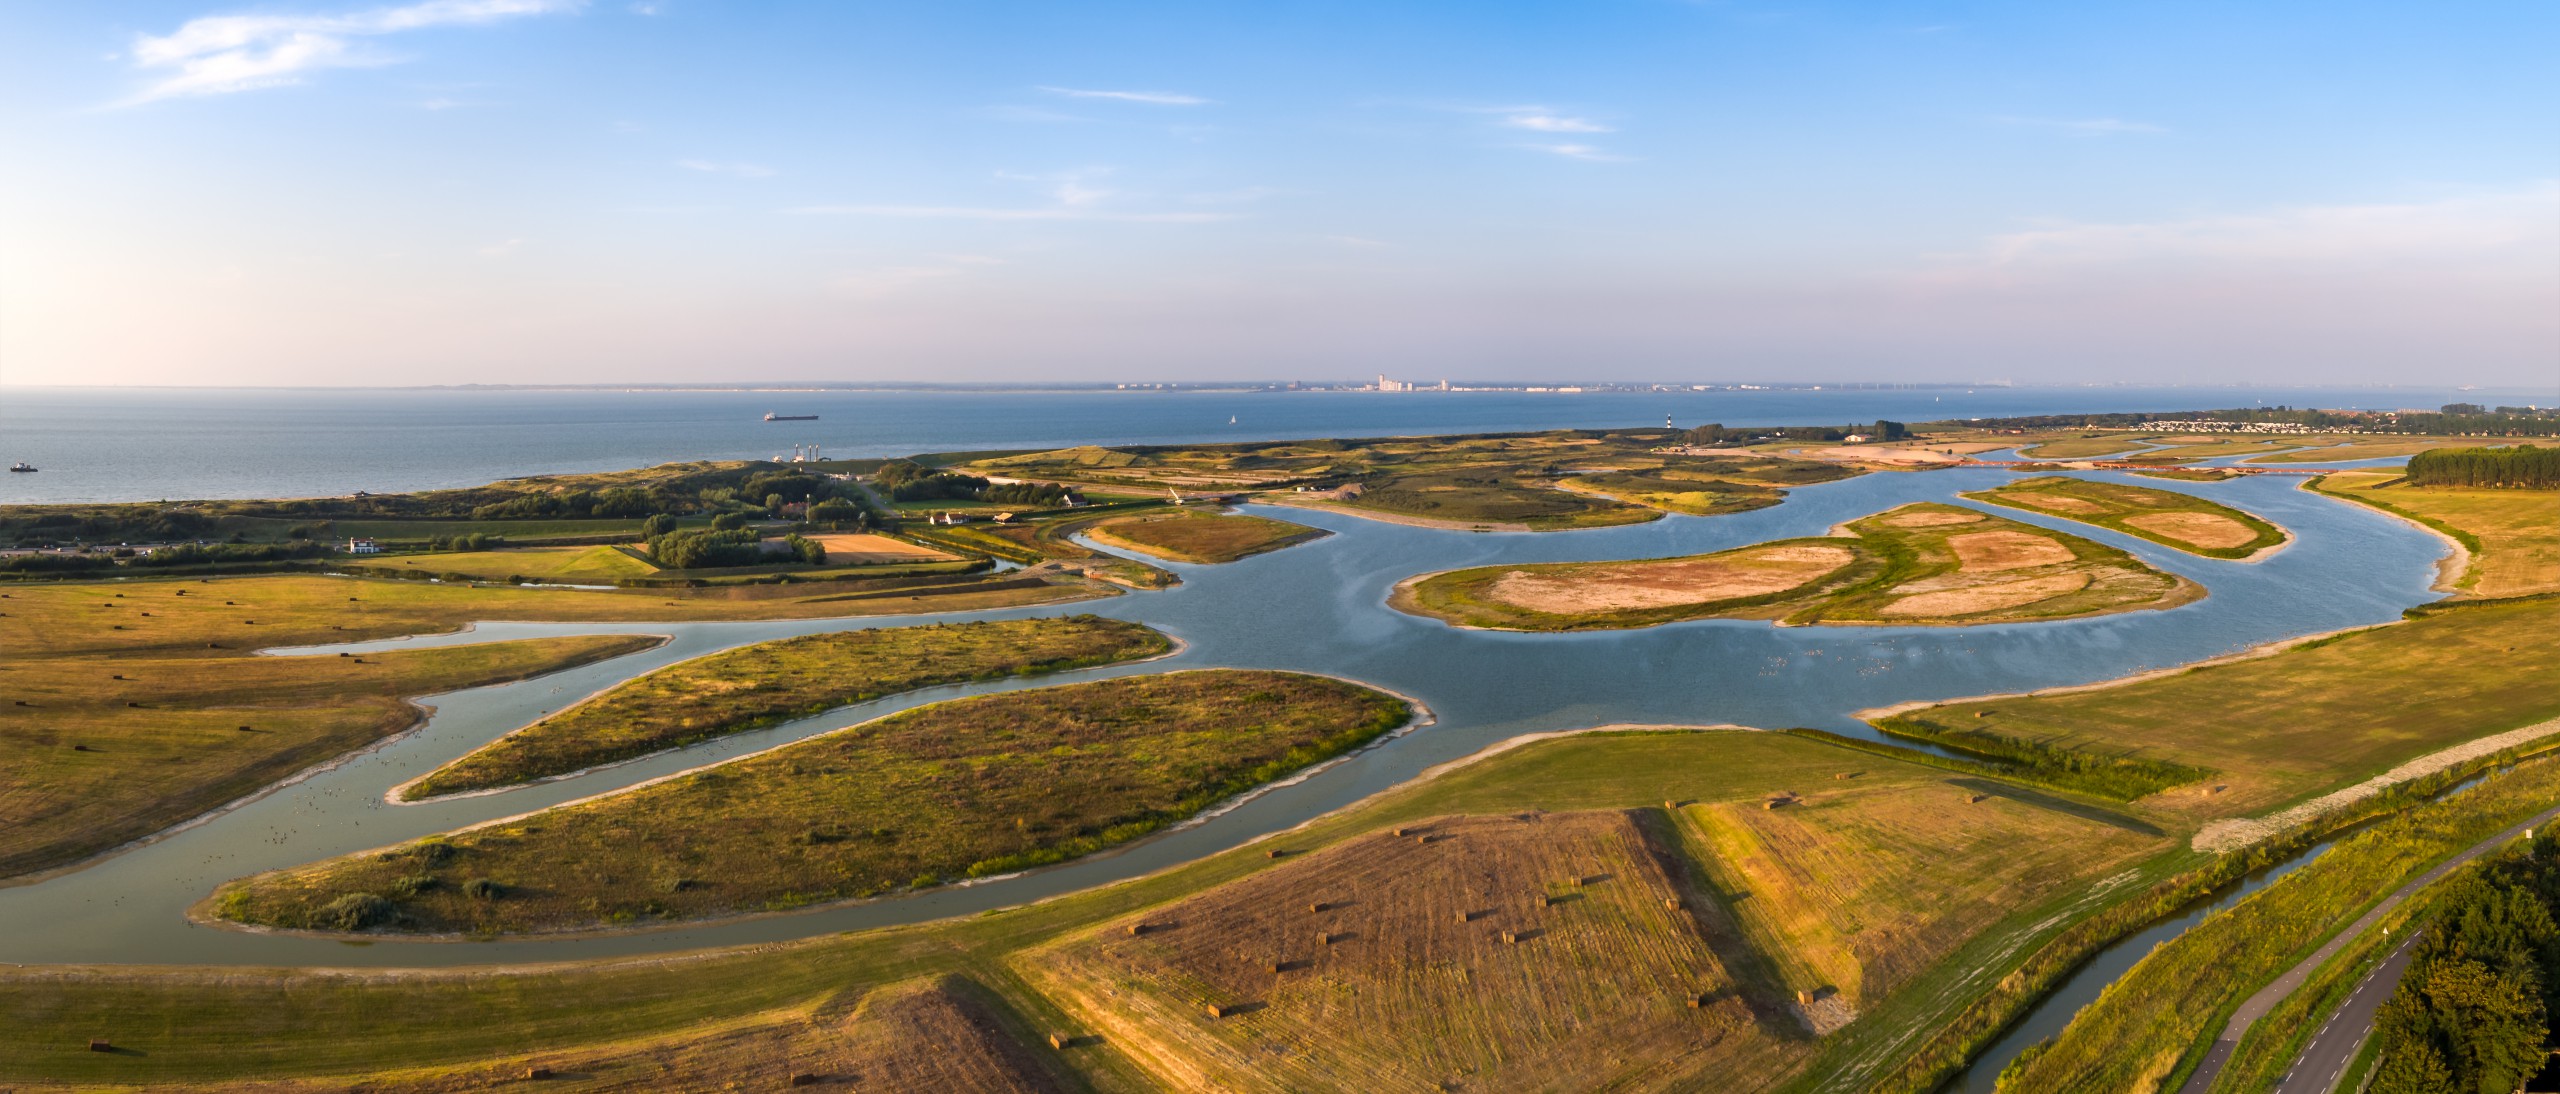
1231 419
791 417
22 467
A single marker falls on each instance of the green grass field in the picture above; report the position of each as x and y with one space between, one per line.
2166 517
2277 729
756 686
1192 536
964 788
1494 495
1917 564
600 565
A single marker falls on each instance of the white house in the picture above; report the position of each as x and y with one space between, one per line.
363 547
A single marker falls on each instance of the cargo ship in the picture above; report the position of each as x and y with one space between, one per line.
791 417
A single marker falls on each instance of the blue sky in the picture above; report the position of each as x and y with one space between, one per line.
462 191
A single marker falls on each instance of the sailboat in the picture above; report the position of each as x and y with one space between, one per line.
1231 419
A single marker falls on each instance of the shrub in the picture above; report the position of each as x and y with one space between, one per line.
728 522
657 525
413 885
352 912
481 888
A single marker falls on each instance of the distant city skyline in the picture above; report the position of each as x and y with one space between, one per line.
550 191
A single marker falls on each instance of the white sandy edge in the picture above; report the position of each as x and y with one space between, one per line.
2449 569
1422 716
392 796
2265 649
2234 833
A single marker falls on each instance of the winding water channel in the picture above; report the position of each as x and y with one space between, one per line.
1318 607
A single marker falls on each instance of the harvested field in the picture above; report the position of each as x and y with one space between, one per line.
1418 985
861 548
1976 599
1682 581
1932 518
1862 888
1923 562
2059 503
2200 529
1187 536
2170 518
1984 552
938 1034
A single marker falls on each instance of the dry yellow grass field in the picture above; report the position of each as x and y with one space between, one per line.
1858 887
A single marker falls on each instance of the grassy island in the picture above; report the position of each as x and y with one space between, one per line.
1921 563
2166 517
967 788
1192 536
1708 485
770 682
97 752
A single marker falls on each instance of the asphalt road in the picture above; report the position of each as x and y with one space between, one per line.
2257 1006
2334 1047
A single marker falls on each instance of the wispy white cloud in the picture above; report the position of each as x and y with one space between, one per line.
223 54
1582 152
1158 98
966 212
2497 231
1543 122
648 7
501 249
2087 127
733 170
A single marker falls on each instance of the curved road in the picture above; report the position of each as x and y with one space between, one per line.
2333 1045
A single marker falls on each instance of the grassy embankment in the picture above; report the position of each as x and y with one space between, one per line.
164 744
1917 564
1844 838
2166 517
1191 536
2513 535
2283 728
964 788
2154 1024
770 682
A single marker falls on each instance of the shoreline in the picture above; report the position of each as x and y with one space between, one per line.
1422 716
425 712
391 796
1411 522
2251 653
2450 569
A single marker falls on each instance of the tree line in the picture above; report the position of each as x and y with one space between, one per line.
2475 1009
2523 467
1718 434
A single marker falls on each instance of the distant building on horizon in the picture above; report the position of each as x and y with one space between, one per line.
1385 384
